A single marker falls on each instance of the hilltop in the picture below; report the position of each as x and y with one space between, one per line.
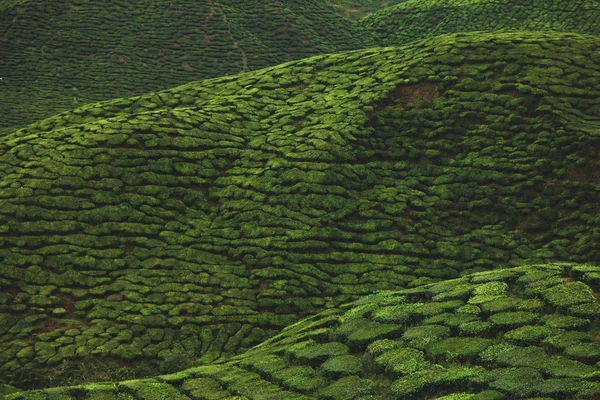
525 332
418 19
58 55
175 228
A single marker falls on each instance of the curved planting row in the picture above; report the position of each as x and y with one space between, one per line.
529 332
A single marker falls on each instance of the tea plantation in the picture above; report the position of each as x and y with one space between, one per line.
528 332
58 55
358 9
144 235
417 19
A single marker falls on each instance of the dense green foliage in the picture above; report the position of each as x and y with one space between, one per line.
418 19
425 355
57 55
357 9
186 225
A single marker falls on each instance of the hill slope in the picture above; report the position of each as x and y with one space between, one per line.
526 332
358 9
57 55
417 19
201 220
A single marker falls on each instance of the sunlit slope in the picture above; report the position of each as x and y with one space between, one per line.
417 19
58 55
520 333
201 220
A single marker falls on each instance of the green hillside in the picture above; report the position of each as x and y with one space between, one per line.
147 234
58 55
529 332
357 9
417 19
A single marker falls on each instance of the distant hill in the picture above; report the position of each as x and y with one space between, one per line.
509 333
58 55
417 19
357 9
196 222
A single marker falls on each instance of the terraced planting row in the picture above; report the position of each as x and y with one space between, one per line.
529 332
182 226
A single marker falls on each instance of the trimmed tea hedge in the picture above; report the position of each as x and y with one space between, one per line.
412 20
310 360
357 9
57 55
147 234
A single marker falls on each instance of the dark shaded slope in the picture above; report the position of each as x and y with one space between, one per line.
57 55
417 19
521 333
201 220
